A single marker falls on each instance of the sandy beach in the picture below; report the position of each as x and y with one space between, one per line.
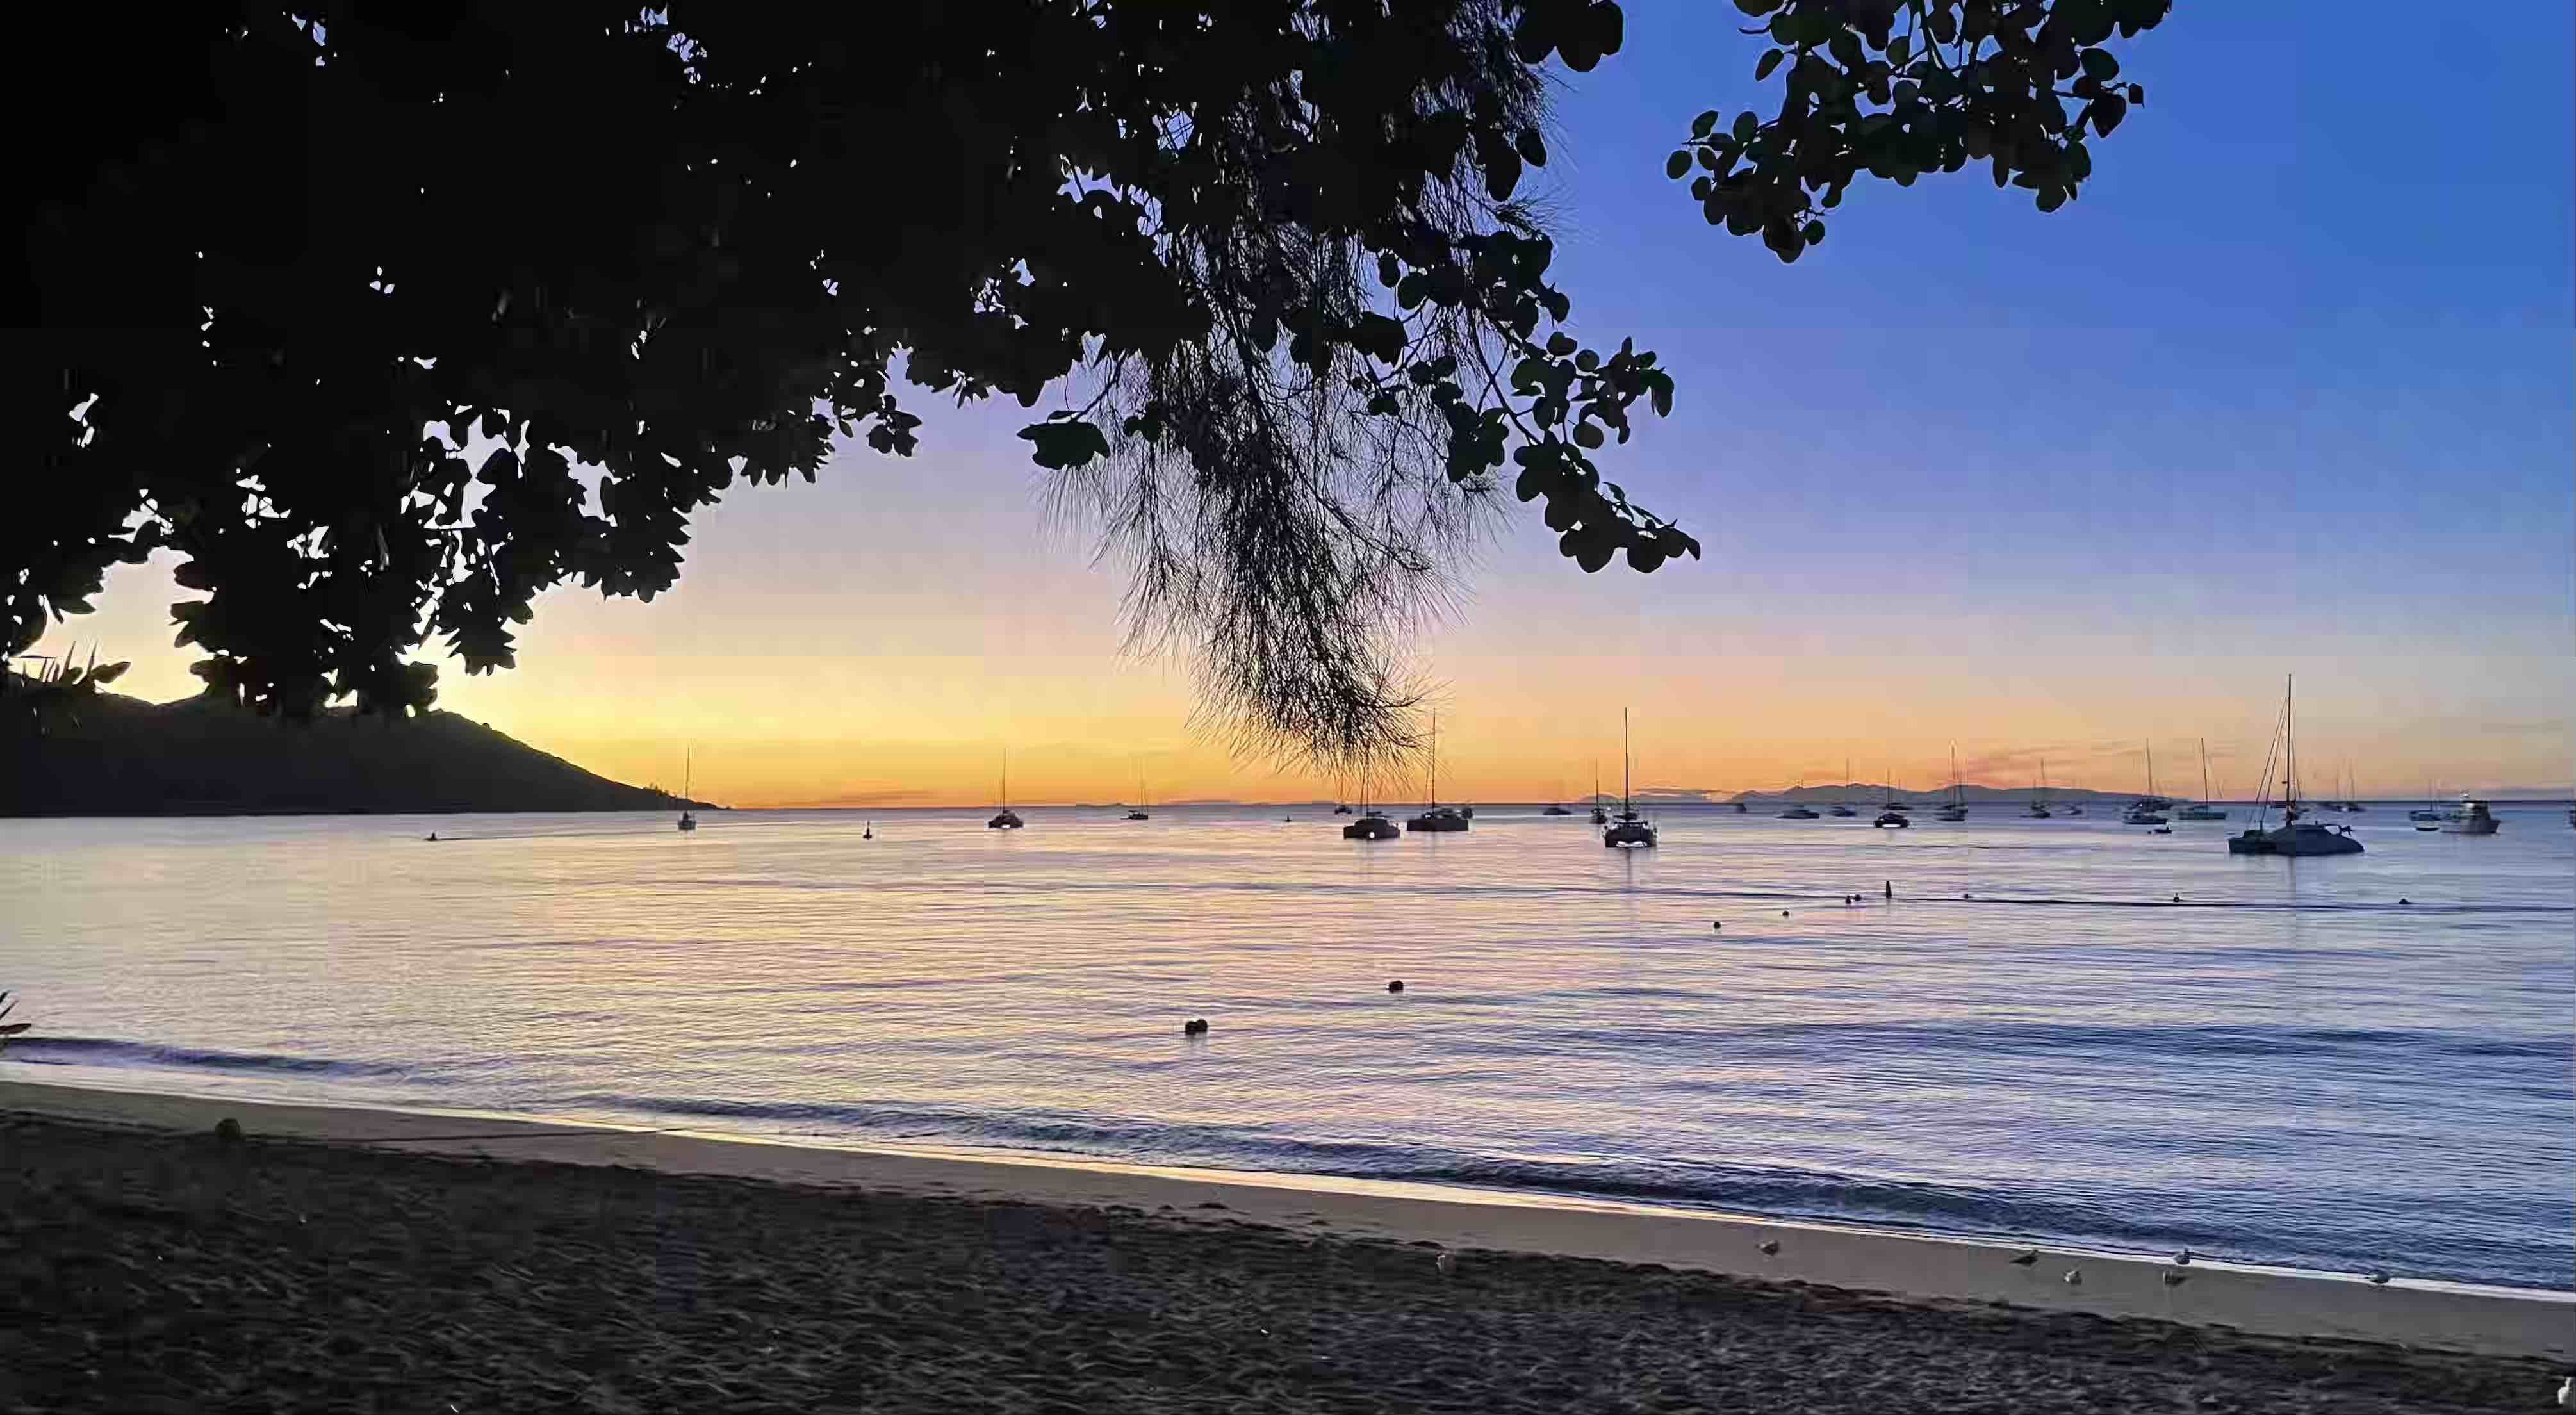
150 1267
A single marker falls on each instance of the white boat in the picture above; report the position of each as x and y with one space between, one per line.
1005 818
2293 836
2201 810
1435 818
2470 817
1629 830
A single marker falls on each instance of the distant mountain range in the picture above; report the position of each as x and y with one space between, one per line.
203 756
1861 792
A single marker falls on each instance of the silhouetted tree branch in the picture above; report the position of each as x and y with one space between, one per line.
291 269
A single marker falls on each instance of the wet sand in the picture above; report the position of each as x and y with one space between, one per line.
151 1271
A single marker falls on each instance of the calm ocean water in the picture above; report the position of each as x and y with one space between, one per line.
2290 1066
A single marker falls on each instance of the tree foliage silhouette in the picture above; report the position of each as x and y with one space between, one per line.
290 269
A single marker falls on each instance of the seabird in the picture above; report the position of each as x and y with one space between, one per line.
2026 1258
2377 1276
1770 1246
2183 1258
2567 1394
2074 1277
1446 1263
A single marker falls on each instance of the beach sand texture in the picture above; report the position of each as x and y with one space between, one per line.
149 1270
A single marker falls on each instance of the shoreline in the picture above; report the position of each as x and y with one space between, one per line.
1911 1268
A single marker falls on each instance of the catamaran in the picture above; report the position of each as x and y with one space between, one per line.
1369 824
1630 829
1006 818
2293 836
1435 818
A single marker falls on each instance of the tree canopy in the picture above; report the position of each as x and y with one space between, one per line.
1273 258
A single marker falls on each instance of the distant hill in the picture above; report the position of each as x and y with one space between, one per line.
201 756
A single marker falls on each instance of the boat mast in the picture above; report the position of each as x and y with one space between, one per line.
2204 771
1627 803
2289 749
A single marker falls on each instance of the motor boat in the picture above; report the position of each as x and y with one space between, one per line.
2470 817
1799 813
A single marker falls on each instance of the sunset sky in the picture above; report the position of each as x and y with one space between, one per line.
2288 389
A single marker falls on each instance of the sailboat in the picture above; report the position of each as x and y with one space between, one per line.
1891 812
688 766
2142 811
1956 808
1599 816
1006 818
1557 806
1435 818
2039 794
2432 810
1630 829
2293 836
2201 810
1139 814
1369 824
1843 808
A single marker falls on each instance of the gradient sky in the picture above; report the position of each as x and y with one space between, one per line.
2288 389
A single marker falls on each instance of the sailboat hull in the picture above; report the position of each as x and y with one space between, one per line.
2293 840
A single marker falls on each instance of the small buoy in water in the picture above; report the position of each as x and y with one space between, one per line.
1716 925
1890 887
2025 1258
1395 985
2074 1277
228 1130
2403 900
2175 1279
2177 899
1784 913
1447 1263
1770 1246
1195 1027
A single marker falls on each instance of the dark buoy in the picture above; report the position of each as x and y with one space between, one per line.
1395 985
2177 899
1195 1027
1890 887
1784 913
228 1131
2403 900
1715 925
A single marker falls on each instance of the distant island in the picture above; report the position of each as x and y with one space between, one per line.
205 756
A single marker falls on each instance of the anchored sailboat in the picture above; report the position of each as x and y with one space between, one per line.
1956 808
688 766
1006 818
1435 818
1630 829
2201 810
2293 836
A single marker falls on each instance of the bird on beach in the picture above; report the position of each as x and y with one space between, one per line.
2376 1277
2026 1258
1770 1246
2183 1258
2074 1277
1447 1263
2567 1394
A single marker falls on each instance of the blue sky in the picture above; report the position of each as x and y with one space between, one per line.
2288 388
